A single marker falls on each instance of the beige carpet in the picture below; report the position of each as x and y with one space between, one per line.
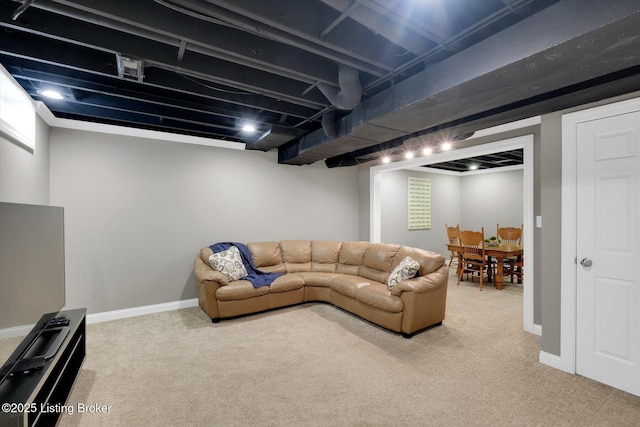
314 365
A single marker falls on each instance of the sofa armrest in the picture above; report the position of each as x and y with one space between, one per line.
425 283
205 273
212 276
207 282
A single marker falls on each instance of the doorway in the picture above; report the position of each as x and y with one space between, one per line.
526 143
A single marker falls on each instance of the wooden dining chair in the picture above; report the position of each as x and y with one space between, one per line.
514 266
509 235
474 259
452 239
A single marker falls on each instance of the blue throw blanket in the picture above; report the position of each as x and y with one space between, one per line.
257 277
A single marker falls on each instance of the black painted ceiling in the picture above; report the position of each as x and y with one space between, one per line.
486 161
205 68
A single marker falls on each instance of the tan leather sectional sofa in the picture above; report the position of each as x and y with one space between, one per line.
349 275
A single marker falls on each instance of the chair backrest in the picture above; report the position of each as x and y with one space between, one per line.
509 235
472 243
452 234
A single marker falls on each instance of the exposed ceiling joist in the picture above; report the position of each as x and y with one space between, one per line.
530 60
206 67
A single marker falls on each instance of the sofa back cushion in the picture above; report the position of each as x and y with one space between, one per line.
429 261
378 261
351 257
296 255
324 255
267 256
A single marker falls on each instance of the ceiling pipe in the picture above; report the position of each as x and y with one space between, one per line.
354 158
350 93
346 98
329 124
20 10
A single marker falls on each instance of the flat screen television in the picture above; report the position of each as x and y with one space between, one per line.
32 269
32 283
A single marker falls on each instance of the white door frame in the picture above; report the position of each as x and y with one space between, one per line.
526 143
566 361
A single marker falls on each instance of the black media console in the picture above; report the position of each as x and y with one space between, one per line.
48 361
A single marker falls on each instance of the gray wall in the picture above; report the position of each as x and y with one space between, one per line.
471 201
364 199
445 208
492 198
138 211
24 175
551 184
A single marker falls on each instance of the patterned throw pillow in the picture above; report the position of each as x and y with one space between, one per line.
229 263
407 269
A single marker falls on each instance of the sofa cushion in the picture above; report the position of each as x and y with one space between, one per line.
240 289
377 261
288 282
229 263
267 256
280 268
407 269
317 278
347 285
324 255
296 255
378 296
351 256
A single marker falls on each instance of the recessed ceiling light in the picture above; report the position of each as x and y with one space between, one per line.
409 155
386 159
473 167
51 94
427 151
249 128
446 146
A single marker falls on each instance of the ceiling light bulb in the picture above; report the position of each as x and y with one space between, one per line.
427 151
386 159
249 128
473 167
446 146
51 94
409 155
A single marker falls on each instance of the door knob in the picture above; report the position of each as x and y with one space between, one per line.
586 262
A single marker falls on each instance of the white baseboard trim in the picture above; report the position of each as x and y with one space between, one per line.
16 331
534 329
551 360
140 311
22 331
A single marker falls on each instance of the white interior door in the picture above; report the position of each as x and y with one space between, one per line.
608 255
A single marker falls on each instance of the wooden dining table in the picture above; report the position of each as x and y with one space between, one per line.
499 253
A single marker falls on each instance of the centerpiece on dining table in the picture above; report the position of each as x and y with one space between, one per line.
493 241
